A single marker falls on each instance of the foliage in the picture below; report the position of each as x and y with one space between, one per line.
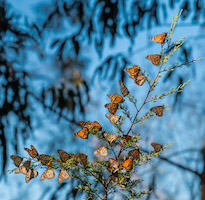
115 174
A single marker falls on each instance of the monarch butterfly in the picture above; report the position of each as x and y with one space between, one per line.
49 174
114 165
32 152
112 107
155 59
74 158
135 154
157 146
63 175
21 170
25 168
97 126
64 156
102 151
159 38
110 137
127 164
83 159
17 160
140 79
86 124
133 71
32 173
158 110
45 159
113 118
124 89
116 98
82 133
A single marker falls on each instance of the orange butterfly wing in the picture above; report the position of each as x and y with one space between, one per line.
83 159
17 160
113 118
82 133
124 89
32 173
158 110
45 159
155 59
127 164
64 156
159 38
63 175
133 71
32 152
135 154
48 174
112 107
86 124
97 126
116 98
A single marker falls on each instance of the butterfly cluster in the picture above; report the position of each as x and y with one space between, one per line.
27 167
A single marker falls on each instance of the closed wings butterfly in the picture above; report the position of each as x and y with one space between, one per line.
97 126
32 173
159 38
127 164
116 98
155 59
32 152
63 175
110 137
45 159
101 151
135 154
157 146
17 160
64 156
48 174
124 89
83 159
112 107
82 133
86 124
113 118
158 110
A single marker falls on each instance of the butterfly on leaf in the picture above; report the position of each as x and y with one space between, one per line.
135 154
112 107
113 118
63 175
86 124
97 126
110 137
127 164
134 71
46 159
157 146
32 173
101 151
48 174
17 160
83 159
113 165
124 89
158 110
159 38
32 152
82 133
155 59
64 156
116 98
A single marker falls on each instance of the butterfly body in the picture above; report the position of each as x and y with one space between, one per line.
157 146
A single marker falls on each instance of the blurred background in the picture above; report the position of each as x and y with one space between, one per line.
58 61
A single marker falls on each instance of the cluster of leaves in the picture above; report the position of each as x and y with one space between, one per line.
115 174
